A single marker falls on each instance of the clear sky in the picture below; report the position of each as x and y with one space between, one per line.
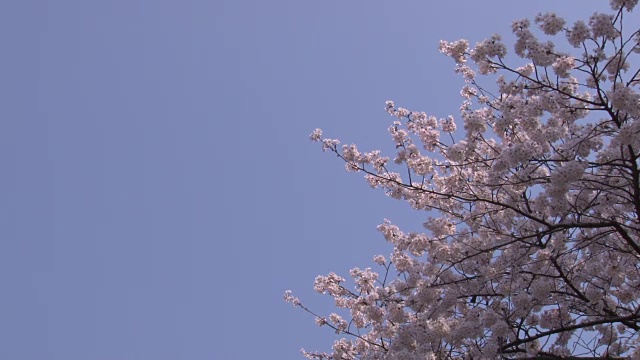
158 190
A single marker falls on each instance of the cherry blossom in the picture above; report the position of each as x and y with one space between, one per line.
531 200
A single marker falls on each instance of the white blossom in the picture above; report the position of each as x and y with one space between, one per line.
531 240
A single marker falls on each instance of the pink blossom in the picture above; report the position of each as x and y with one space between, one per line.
531 240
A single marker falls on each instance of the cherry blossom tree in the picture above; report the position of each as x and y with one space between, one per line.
532 245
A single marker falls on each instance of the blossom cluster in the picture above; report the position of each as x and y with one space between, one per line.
531 241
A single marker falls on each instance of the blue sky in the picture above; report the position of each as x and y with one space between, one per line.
159 192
